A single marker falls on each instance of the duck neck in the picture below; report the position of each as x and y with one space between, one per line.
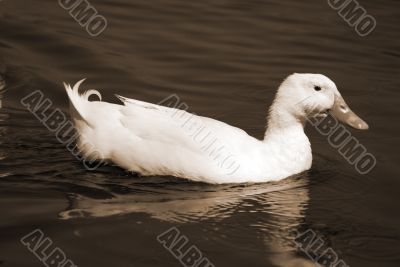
286 142
282 121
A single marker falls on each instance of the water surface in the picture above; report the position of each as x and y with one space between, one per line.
225 59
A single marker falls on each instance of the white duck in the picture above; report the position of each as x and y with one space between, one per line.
152 139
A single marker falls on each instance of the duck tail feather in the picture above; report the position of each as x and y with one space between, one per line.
122 98
78 102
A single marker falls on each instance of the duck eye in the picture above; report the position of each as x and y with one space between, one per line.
317 88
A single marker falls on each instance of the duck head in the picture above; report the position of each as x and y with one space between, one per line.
315 95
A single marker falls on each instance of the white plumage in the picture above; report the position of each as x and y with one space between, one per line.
151 139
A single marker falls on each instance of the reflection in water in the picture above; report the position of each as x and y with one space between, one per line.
274 210
193 202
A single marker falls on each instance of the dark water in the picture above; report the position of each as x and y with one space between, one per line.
225 59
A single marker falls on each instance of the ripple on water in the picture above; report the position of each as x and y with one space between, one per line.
373 247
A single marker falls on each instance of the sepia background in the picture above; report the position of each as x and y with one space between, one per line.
225 59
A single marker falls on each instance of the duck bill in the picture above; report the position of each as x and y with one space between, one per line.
343 113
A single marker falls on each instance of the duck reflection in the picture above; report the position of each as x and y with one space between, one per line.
274 211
